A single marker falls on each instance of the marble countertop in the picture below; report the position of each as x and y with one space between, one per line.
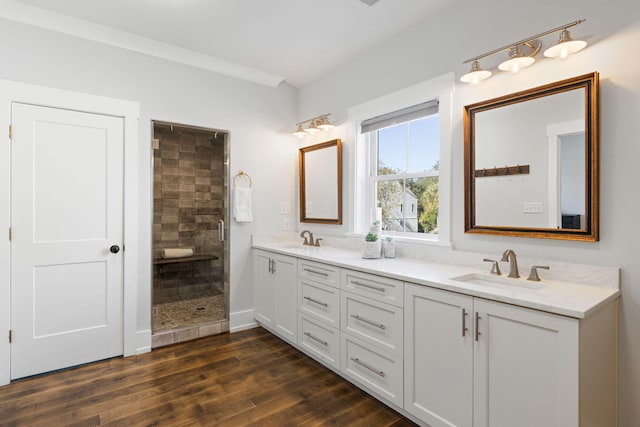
563 298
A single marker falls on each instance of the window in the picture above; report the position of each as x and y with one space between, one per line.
404 150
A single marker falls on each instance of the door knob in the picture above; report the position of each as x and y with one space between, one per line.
114 249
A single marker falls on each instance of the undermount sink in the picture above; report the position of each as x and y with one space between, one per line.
296 245
497 281
292 245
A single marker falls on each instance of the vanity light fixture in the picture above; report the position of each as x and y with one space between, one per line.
312 128
522 53
315 124
300 131
324 124
476 75
518 60
565 46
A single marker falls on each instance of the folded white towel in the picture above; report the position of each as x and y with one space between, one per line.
242 204
176 253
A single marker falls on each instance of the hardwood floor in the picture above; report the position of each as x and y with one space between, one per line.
246 378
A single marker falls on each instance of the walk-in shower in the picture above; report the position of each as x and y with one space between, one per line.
190 251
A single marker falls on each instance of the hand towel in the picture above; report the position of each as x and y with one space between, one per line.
176 253
242 204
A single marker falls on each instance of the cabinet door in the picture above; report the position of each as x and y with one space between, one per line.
438 356
525 367
285 301
263 288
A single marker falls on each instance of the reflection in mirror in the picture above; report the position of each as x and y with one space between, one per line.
531 162
321 183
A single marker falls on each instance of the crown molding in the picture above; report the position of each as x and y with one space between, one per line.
53 21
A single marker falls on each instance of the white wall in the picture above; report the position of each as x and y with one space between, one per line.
462 31
257 117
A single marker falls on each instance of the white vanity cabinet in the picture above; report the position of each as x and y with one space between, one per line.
470 361
275 293
445 357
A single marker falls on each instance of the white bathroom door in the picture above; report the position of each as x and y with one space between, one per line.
67 233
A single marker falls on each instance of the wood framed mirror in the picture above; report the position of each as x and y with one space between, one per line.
531 162
321 183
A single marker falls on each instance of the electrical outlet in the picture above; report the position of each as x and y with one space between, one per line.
285 208
532 207
286 224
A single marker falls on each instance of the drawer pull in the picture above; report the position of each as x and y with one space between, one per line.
364 365
477 326
316 339
321 273
371 322
464 322
377 288
324 304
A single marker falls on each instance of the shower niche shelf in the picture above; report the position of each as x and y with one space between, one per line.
203 257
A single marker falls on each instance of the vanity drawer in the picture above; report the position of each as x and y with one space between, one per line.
319 301
375 322
372 286
319 340
323 273
374 369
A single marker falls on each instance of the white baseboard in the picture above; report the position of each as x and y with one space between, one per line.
241 320
143 341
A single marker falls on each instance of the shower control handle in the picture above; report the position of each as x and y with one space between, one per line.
220 230
114 249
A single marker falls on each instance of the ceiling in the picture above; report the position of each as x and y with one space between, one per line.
267 41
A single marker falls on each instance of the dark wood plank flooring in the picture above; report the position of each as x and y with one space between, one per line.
246 378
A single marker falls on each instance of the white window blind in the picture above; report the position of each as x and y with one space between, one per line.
400 116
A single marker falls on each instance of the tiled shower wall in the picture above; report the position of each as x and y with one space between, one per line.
187 205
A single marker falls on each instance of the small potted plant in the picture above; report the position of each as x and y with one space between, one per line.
372 247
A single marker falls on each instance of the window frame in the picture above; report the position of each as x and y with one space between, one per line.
441 87
372 141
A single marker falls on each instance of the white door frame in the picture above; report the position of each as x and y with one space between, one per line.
554 132
39 95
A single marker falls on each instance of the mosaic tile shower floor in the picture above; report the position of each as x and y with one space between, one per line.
188 312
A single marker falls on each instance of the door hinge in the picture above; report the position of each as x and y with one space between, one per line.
10 233
10 132
10 336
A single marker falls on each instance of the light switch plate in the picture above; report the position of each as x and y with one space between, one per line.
285 208
532 207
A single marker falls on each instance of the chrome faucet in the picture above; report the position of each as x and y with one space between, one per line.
307 242
510 255
495 268
533 274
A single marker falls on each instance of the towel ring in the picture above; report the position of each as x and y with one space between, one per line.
239 175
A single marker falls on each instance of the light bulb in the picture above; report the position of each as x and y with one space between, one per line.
476 74
516 61
299 132
565 46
